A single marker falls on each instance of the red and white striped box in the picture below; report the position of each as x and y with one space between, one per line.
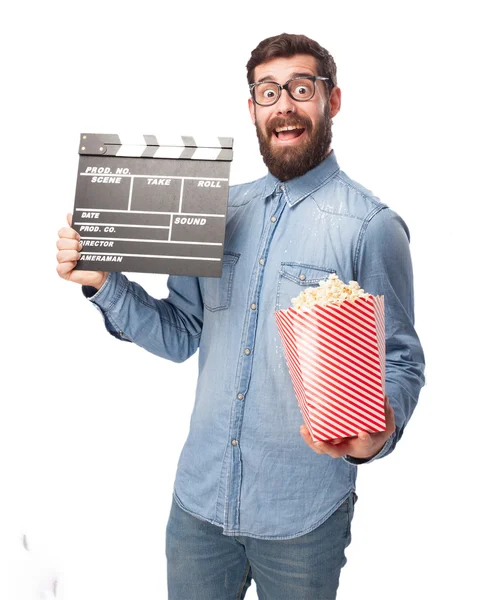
336 358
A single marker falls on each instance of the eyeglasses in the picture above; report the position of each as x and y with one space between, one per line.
301 89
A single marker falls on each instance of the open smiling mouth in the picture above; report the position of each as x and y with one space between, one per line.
291 132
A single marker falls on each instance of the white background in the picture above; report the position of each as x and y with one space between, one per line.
91 428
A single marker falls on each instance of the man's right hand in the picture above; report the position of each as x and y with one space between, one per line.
69 246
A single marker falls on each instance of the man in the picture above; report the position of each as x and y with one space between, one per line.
251 498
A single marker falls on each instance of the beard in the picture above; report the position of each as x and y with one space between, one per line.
294 161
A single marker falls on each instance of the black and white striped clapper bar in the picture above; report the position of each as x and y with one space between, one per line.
152 205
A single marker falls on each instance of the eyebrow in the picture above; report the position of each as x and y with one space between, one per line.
293 75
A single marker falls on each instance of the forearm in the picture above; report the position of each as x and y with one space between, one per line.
403 385
170 328
384 267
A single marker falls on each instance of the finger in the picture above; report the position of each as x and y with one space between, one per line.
64 269
333 450
68 232
309 440
388 409
303 430
69 244
389 415
390 422
69 219
67 256
364 436
322 447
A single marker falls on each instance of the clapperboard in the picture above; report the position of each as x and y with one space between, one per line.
152 205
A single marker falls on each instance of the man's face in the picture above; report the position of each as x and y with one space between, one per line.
291 153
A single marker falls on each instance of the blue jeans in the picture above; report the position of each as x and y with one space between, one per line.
204 564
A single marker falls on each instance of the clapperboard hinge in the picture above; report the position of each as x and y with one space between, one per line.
157 146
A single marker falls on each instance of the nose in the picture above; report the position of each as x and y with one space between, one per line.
285 104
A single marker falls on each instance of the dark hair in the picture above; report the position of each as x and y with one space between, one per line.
288 44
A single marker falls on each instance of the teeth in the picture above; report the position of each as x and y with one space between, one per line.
288 128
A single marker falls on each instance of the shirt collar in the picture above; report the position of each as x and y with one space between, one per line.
298 188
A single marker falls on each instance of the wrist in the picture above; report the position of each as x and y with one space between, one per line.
102 277
93 285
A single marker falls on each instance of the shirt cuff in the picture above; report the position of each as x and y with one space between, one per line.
106 297
364 461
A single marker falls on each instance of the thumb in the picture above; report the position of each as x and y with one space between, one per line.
69 219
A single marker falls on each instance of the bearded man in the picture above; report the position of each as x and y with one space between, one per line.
254 496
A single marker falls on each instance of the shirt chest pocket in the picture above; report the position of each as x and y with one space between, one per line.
217 291
296 277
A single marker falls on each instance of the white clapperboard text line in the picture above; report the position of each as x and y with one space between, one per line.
126 225
145 212
171 227
150 256
156 176
105 239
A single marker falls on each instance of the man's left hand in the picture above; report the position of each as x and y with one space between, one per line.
365 445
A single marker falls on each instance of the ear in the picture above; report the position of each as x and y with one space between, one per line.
252 110
335 101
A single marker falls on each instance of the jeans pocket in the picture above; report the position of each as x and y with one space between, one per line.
217 291
349 502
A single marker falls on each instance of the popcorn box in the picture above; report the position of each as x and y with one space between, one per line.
336 358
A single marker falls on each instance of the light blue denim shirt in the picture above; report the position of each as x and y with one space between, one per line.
244 465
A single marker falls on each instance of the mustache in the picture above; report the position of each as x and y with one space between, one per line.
296 121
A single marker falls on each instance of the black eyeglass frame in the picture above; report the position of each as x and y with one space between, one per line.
285 86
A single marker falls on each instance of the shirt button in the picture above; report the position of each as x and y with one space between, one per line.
240 396
247 351
121 333
273 219
234 442
281 188
302 277
261 261
253 306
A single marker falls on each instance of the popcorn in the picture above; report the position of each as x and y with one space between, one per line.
329 291
335 348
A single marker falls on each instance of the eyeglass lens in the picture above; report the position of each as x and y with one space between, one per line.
267 93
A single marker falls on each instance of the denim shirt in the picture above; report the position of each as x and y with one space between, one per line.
244 466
